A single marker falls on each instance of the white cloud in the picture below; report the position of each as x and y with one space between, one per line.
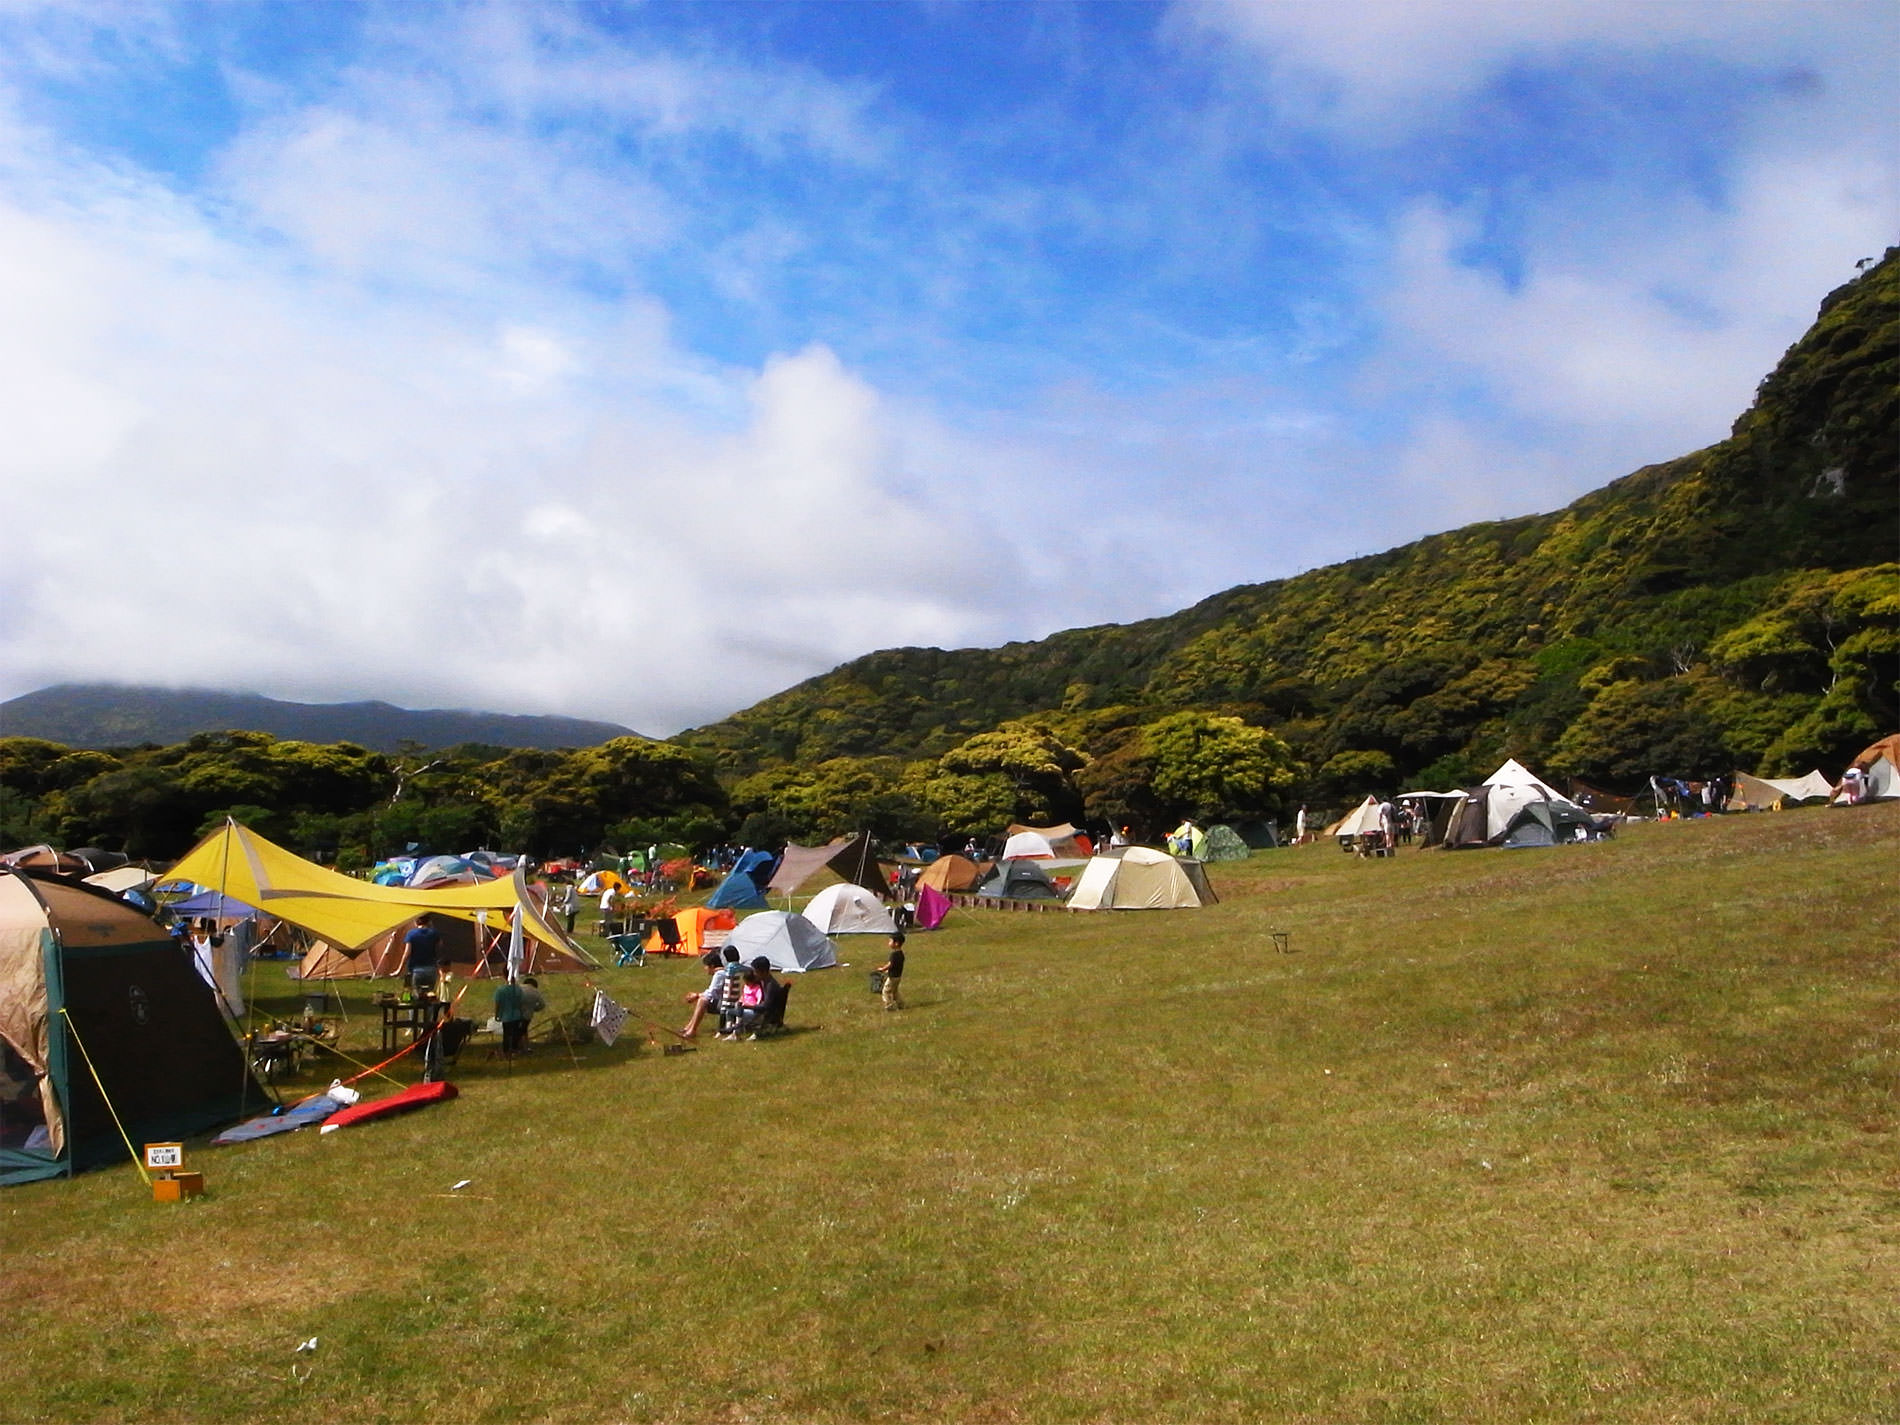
1386 68
227 468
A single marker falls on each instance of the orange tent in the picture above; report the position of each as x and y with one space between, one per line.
694 923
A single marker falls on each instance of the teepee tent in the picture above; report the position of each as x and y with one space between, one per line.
88 985
790 942
845 909
1138 879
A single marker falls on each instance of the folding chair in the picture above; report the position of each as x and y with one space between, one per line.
629 949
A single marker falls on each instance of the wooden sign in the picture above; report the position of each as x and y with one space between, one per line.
165 1156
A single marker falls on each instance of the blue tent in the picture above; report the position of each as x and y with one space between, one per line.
744 889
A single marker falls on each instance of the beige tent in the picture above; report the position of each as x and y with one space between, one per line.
951 873
1138 879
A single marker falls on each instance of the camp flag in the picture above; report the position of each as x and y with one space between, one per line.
609 1018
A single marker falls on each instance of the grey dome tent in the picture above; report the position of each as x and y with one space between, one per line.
1018 881
791 942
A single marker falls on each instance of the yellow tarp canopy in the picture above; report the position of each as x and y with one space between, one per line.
340 909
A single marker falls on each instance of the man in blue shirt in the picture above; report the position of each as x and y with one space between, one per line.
424 949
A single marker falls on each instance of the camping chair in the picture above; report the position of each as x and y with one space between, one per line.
669 932
769 1018
731 988
630 949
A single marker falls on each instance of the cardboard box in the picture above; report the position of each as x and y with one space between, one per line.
177 1187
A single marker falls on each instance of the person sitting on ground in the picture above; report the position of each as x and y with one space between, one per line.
893 972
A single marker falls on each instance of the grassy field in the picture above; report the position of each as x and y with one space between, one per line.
1598 1133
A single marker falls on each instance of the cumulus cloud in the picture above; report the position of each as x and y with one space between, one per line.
238 463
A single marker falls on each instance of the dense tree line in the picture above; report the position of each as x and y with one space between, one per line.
343 803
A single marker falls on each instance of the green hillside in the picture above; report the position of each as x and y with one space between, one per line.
1733 607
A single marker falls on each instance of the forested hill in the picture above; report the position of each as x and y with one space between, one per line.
1733 607
109 715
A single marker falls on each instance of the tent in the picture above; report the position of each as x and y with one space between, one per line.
45 858
1028 845
932 906
468 950
596 882
846 909
744 886
790 942
1138 879
133 1007
1491 812
695 923
856 861
1358 821
1018 881
1880 764
1187 839
1066 842
950 873
1225 844
1760 793
798 864
350 913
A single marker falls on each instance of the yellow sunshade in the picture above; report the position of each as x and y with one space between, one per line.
345 911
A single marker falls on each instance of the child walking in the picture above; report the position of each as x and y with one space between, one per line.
893 972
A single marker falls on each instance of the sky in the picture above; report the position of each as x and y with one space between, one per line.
636 361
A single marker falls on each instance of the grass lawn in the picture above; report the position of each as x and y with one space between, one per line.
1596 1133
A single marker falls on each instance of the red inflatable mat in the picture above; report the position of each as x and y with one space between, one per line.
415 1096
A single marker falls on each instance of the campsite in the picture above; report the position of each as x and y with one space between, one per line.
1603 1131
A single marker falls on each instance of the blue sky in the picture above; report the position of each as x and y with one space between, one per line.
636 361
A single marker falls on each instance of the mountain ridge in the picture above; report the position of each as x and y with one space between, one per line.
102 715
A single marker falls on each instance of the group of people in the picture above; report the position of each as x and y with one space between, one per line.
743 997
517 1002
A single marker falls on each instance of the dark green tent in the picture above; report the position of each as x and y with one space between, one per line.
149 1025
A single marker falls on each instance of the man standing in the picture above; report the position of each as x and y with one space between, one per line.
1299 827
893 971
423 947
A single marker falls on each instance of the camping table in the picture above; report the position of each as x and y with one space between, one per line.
412 1018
